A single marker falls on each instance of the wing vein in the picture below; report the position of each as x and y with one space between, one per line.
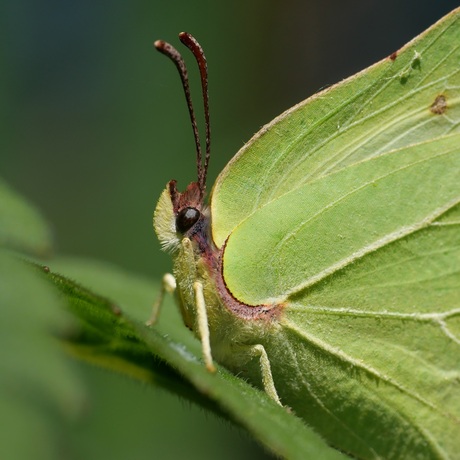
375 245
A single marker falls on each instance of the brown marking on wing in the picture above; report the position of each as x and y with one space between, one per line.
439 105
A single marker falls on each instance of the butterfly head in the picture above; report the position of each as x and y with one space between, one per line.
178 215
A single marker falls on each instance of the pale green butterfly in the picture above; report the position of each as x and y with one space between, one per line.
326 268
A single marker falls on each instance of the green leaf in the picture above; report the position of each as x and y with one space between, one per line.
39 391
22 228
118 331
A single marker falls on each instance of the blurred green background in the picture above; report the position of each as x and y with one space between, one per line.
94 123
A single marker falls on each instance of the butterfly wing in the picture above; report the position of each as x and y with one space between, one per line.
346 210
308 235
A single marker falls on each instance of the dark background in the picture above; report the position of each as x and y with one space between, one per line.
94 123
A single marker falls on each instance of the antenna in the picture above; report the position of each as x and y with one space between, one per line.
192 44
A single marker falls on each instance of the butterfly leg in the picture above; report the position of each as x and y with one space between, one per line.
265 368
203 326
168 284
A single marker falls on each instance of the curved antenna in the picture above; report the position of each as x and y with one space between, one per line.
169 50
192 44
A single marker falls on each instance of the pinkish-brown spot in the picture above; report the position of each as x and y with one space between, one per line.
439 105
393 56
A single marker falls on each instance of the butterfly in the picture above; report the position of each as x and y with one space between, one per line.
325 267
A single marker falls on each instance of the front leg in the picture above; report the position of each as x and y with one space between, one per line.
203 326
168 284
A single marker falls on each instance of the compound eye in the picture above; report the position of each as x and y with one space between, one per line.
186 219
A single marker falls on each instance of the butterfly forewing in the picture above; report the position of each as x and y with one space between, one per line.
395 103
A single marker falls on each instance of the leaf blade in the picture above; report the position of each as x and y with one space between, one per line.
22 228
223 392
39 391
